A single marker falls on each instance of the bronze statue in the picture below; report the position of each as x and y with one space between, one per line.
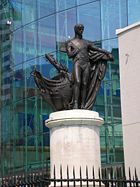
79 88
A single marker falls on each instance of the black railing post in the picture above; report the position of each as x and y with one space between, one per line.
99 178
136 178
67 176
93 176
73 176
118 177
61 176
54 175
106 178
111 176
87 175
130 182
80 177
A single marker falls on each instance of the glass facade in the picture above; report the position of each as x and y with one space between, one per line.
29 29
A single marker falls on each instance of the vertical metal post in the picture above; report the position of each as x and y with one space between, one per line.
54 176
130 184
99 178
25 104
36 128
36 115
61 176
106 125
112 115
41 125
93 174
80 177
74 184
87 175
67 176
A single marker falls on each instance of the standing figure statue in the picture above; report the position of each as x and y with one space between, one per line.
76 90
78 49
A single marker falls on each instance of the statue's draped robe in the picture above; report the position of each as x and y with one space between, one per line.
98 62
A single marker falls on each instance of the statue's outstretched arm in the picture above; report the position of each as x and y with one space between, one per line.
58 66
107 53
99 49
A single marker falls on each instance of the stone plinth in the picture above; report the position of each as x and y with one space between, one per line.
74 141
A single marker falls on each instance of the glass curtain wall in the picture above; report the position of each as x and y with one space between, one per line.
28 30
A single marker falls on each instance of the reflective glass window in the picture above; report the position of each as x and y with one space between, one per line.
30 87
65 25
110 44
6 68
8 137
46 7
46 35
79 2
17 46
64 4
113 16
16 13
29 11
133 11
46 68
18 83
30 41
6 131
89 16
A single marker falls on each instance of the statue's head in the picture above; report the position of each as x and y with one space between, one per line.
79 28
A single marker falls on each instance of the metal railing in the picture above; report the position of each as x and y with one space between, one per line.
106 177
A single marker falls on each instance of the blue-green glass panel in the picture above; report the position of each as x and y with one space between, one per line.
18 83
47 35
46 68
65 25
17 46
64 4
7 139
133 11
29 11
30 41
80 2
6 77
89 16
113 16
110 45
18 134
30 87
6 131
45 8
16 13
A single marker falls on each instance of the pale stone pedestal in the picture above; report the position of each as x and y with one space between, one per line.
74 142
